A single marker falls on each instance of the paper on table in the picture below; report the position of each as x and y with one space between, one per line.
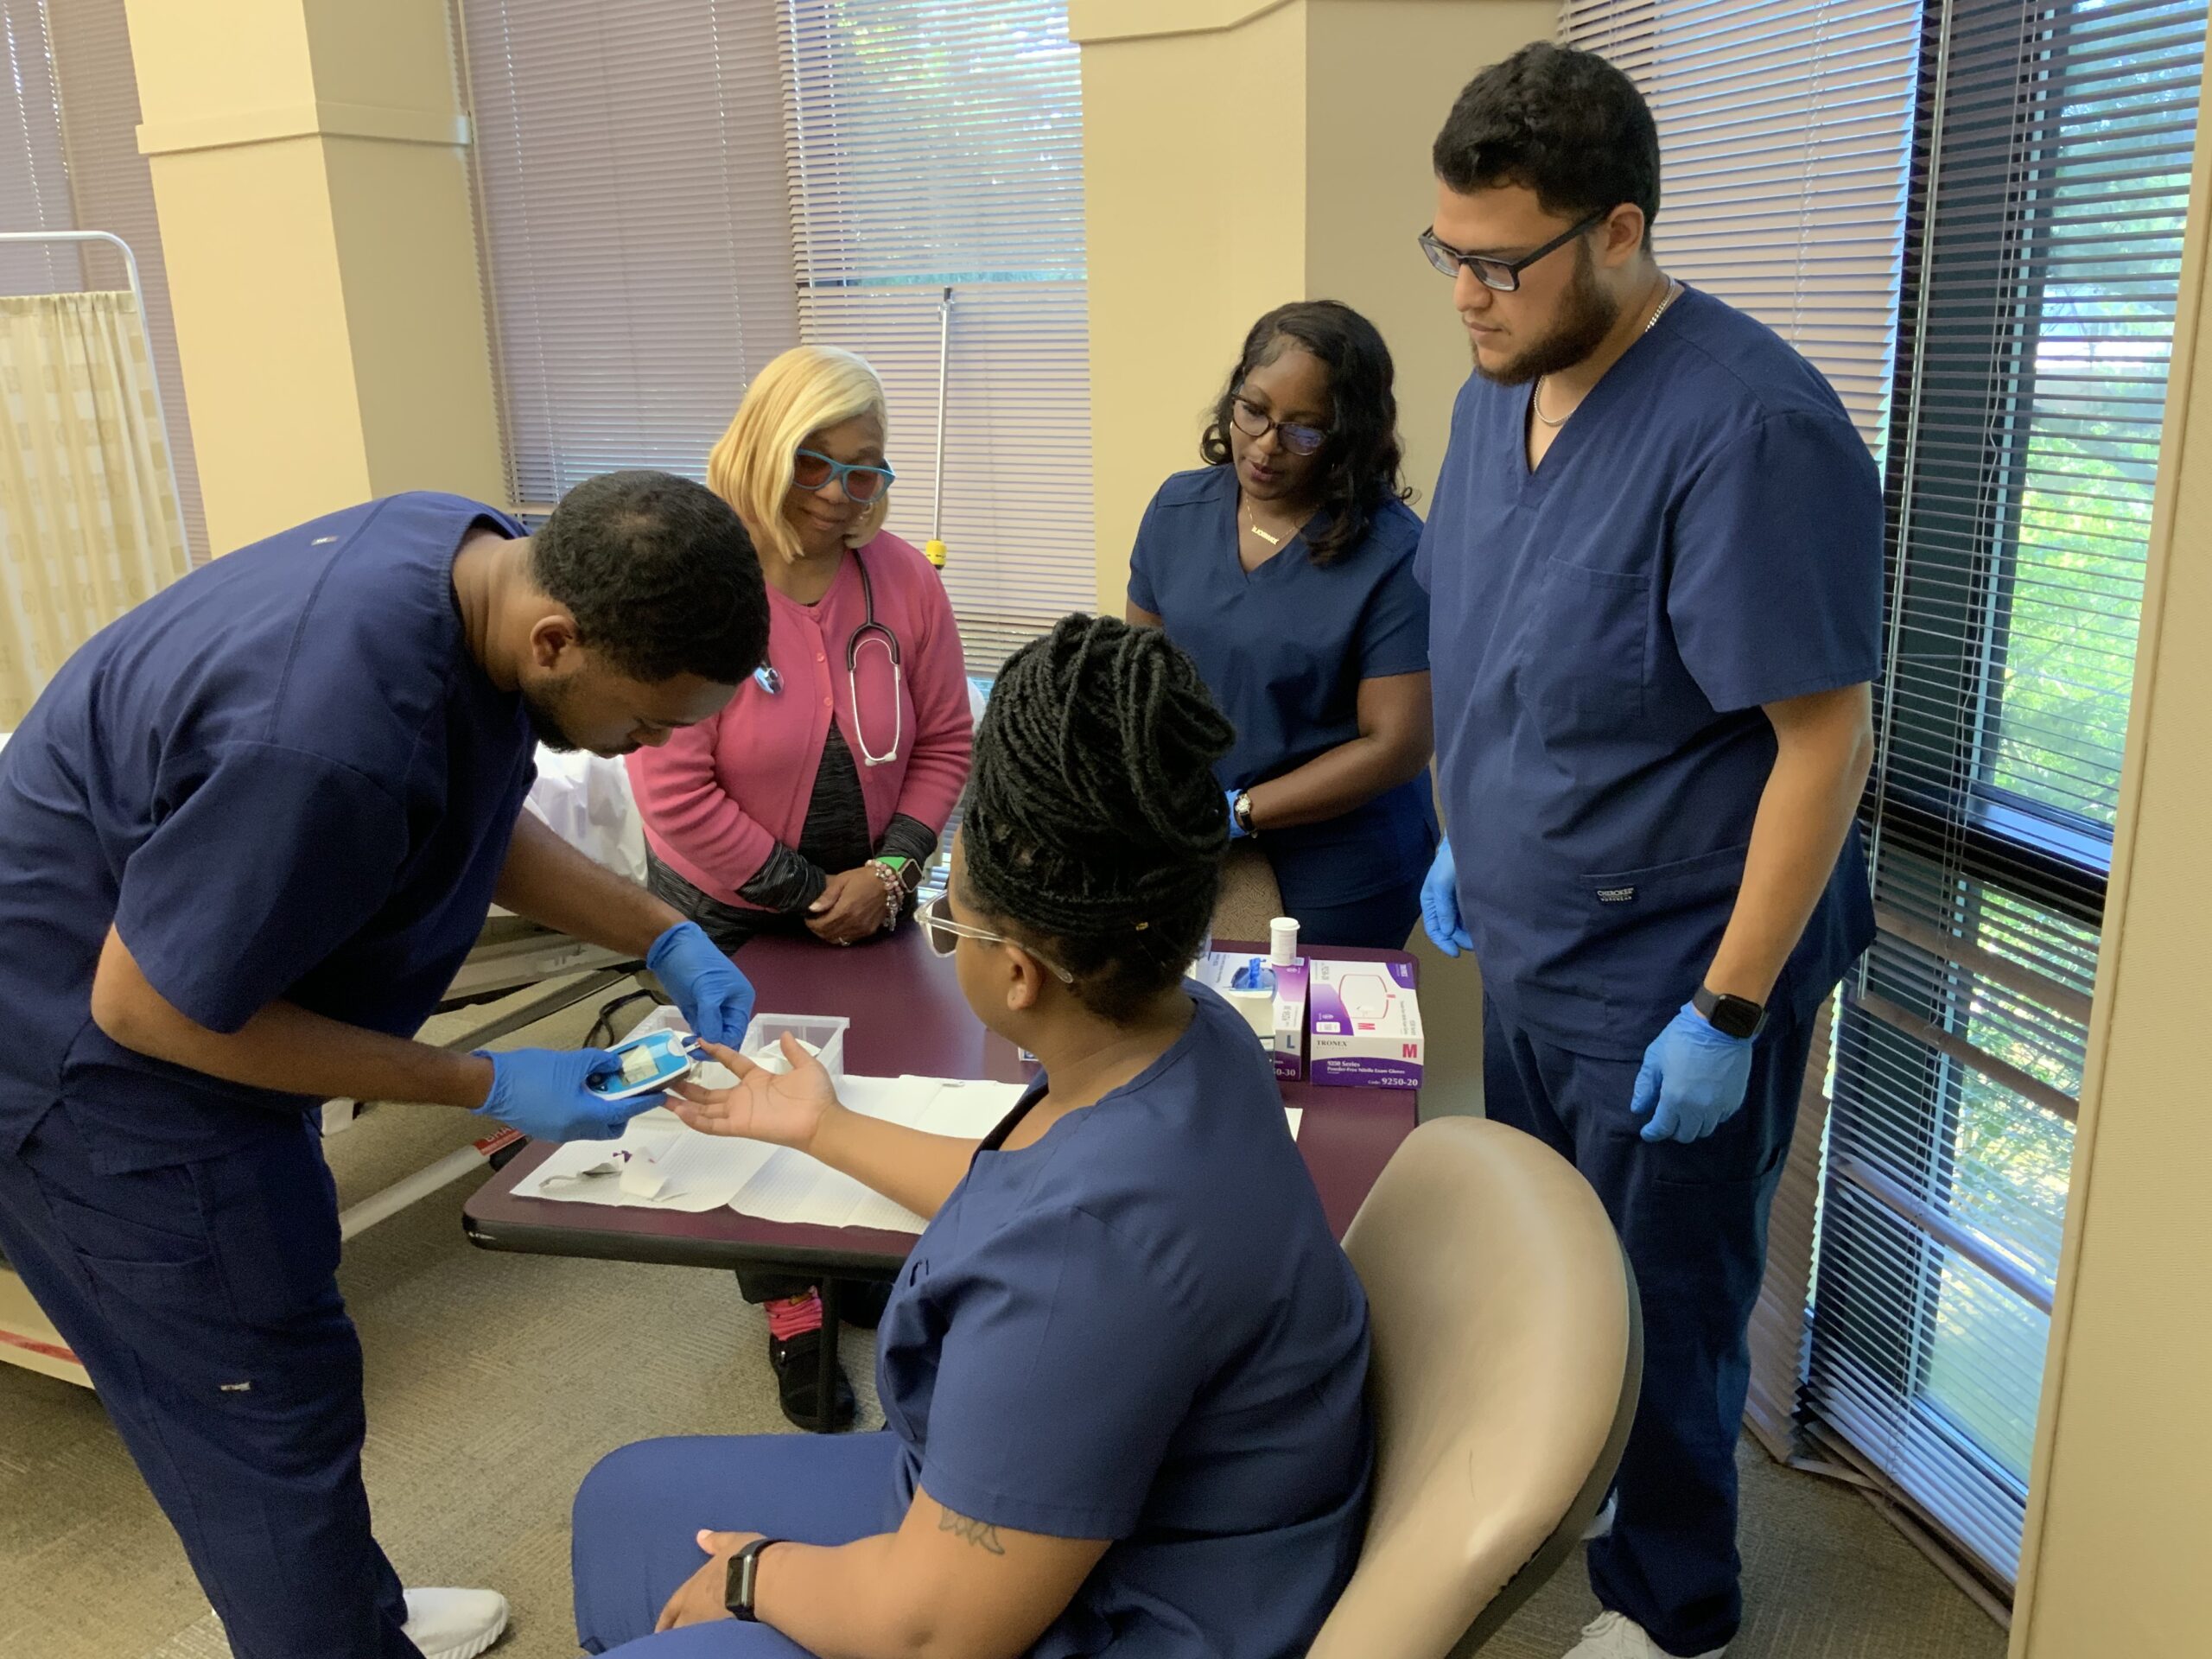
792 1187
970 1110
697 1172
884 1215
895 1100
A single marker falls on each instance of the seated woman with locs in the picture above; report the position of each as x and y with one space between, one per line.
1123 1369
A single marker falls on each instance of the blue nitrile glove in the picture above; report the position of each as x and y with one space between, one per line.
541 1091
1693 1076
1439 904
716 1000
1237 832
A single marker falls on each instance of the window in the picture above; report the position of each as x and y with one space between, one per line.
2051 157
935 161
69 161
672 191
1783 127
1970 218
636 238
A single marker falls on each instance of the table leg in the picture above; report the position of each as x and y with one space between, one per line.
825 1383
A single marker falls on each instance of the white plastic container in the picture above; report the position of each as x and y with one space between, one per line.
823 1033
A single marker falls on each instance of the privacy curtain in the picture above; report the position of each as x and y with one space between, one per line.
89 522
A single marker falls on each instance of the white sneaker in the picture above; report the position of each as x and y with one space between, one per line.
1615 1636
1601 1524
455 1624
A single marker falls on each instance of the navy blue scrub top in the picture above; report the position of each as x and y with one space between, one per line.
1283 649
1703 538
1140 1329
283 776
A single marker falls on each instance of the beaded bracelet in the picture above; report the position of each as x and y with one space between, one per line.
894 892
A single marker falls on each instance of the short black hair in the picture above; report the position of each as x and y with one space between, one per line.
1095 829
659 575
1359 464
1562 123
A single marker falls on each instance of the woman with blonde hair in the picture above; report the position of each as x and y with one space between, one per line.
812 803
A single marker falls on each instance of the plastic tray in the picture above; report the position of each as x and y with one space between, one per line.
823 1033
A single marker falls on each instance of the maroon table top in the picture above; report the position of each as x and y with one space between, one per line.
908 1017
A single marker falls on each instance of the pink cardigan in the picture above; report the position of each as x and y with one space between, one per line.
717 797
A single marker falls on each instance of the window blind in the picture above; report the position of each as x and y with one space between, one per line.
636 232
936 149
2051 156
1782 131
34 178
69 161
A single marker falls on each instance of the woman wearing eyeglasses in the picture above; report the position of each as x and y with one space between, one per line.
1284 566
810 804
1123 1371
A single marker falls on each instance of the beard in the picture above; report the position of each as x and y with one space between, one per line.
1587 314
543 709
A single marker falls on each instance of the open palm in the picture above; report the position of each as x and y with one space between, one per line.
784 1109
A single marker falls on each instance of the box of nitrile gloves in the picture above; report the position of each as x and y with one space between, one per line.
1292 979
1363 1025
1278 1015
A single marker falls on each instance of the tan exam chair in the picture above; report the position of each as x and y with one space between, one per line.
1508 1352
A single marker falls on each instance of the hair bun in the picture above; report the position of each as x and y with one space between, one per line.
1093 794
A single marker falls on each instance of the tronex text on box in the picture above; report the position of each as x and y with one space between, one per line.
1364 1026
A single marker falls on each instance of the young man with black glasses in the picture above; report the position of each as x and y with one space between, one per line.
1655 568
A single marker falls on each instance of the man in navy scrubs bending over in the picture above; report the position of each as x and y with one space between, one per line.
1655 568
250 831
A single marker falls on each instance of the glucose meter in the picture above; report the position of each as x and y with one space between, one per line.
650 1063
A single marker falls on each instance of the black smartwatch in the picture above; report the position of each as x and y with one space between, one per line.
744 1579
1731 1016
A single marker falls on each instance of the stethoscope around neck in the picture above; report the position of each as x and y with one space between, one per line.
869 632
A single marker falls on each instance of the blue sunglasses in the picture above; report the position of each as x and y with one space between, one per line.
812 470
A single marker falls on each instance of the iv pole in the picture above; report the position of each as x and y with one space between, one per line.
934 552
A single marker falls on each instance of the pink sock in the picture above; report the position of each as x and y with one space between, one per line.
794 1316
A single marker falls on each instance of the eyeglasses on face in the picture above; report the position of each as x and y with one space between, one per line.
1255 423
812 470
944 936
1504 274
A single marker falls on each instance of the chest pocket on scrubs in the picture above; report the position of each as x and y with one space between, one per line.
1582 658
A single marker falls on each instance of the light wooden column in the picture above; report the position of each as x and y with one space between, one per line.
2119 1513
310 169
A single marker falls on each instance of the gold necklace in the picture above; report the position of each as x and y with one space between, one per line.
1537 391
1272 541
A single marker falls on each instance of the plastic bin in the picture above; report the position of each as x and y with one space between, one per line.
823 1032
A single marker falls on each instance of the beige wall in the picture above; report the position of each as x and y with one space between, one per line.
1238 153
1393 69
2121 1516
310 169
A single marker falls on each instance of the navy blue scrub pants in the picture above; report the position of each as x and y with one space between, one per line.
1693 1220
639 1510
1381 921
202 1299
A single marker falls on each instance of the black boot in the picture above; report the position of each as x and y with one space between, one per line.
798 1369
